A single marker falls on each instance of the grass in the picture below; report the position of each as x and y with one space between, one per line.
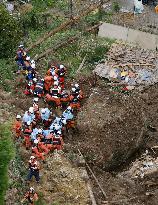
7 67
6 154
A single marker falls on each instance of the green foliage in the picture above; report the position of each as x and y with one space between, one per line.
6 154
10 33
6 73
116 6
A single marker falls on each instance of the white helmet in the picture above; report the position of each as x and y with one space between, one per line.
32 62
57 127
56 83
40 131
34 80
64 121
76 85
69 108
35 99
28 58
33 65
59 132
28 123
31 109
32 189
43 110
21 46
32 157
18 116
73 89
53 72
55 78
61 66
36 141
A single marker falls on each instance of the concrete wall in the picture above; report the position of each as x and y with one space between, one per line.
144 40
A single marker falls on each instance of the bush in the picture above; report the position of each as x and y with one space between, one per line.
10 33
6 154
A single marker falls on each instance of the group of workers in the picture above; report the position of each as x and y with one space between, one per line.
39 129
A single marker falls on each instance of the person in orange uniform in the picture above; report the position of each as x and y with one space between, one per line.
61 73
48 82
17 127
31 196
35 151
42 147
65 99
58 141
27 135
54 95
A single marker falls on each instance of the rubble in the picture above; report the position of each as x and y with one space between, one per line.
143 167
129 65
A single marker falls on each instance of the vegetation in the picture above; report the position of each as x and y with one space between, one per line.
10 33
6 154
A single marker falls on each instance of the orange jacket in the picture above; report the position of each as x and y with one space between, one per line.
17 126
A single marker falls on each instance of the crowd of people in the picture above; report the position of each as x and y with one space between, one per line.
39 129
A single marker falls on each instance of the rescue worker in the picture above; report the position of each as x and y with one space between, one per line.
45 116
20 57
31 196
33 169
36 152
58 141
69 117
29 115
17 126
54 96
39 88
36 109
27 63
64 98
61 73
75 99
78 91
30 87
48 82
30 75
27 135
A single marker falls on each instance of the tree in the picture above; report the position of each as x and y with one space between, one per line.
10 33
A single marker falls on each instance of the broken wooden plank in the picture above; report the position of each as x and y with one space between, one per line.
62 44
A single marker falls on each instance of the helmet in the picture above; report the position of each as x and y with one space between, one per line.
33 65
29 83
42 79
64 121
21 46
18 116
31 110
59 132
32 157
61 66
56 127
32 62
36 141
69 108
40 131
53 72
56 83
73 89
28 123
35 80
43 110
28 58
32 189
55 78
76 85
35 99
